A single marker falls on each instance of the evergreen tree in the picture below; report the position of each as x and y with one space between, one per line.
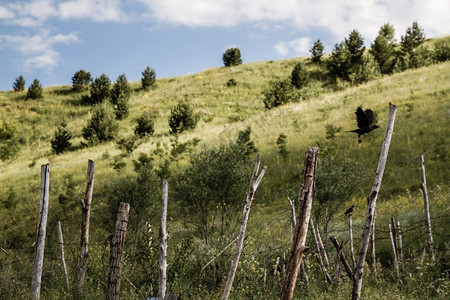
120 96
281 143
102 126
245 143
100 89
413 38
81 80
148 78
145 125
19 84
299 76
383 48
367 70
317 51
61 139
182 118
355 45
278 93
35 90
339 62
232 57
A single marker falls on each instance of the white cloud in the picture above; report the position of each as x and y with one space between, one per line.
96 10
298 46
5 13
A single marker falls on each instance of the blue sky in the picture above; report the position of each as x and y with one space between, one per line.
52 39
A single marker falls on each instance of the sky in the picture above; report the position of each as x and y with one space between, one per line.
52 39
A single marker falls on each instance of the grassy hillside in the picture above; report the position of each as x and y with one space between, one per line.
422 127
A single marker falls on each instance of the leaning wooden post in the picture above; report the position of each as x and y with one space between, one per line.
116 251
394 234
61 253
85 222
255 180
322 248
41 230
400 246
372 246
350 233
319 255
163 243
372 200
344 262
423 186
394 251
305 198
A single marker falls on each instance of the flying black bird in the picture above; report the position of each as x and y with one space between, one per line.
364 120
349 210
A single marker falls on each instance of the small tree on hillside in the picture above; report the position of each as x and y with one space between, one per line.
182 118
100 89
339 61
148 78
19 84
245 143
413 38
278 93
383 48
61 139
9 140
355 45
81 80
35 90
120 96
232 57
281 143
299 76
145 125
102 126
317 52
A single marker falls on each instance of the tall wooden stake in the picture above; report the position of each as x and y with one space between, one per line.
427 207
372 246
344 262
319 255
305 198
322 248
41 230
163 242
372 200
116 251
350 233
400 246
85 222
61 254
394 250
255 180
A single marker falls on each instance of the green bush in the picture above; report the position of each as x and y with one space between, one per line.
231 83
35 90
102 126
120 97
299 76
81 80
148 78
278 93
367 70
9 141
100 89
19 84
281 143
245 143
232 57
182 118
145 125
61 139
442 51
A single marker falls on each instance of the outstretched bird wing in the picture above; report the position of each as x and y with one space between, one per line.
362 119
370 116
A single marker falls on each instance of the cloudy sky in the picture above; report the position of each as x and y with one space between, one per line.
52 39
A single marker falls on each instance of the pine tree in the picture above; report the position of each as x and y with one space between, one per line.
281 143
19 84
299 76
339 62
35 90
182 118
355 45
232 57
317 52
148 78
413 38
120 96
61 139
245 143
102 126
383 48
81 80
100 89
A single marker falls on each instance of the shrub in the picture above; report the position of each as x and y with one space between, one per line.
281 143
299 76
81 80
120 96
128 145
9 142
231 83
317 52
19 84
278 93
102 126
100 89
232 57
35 90
367 70
61 139
245 143
442 51
181 118
148 78
145 125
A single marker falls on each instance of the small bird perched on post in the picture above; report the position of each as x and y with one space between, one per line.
349 210
364 120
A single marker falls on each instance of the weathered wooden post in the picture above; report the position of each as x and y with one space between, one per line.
61 254
305 198
394 251
255 180
394 234
163 242
372 200
400 246
319 256
85 222
116 251
423 186
350 233
344 262
322 248
41 231
372 247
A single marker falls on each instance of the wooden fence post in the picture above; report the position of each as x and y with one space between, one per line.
305 198
394 251
255 180
41 231
116 251
423 186
344 262
350 233
61 254
372 247
163 242
85 222
319 255
400 246
372 200
322 248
